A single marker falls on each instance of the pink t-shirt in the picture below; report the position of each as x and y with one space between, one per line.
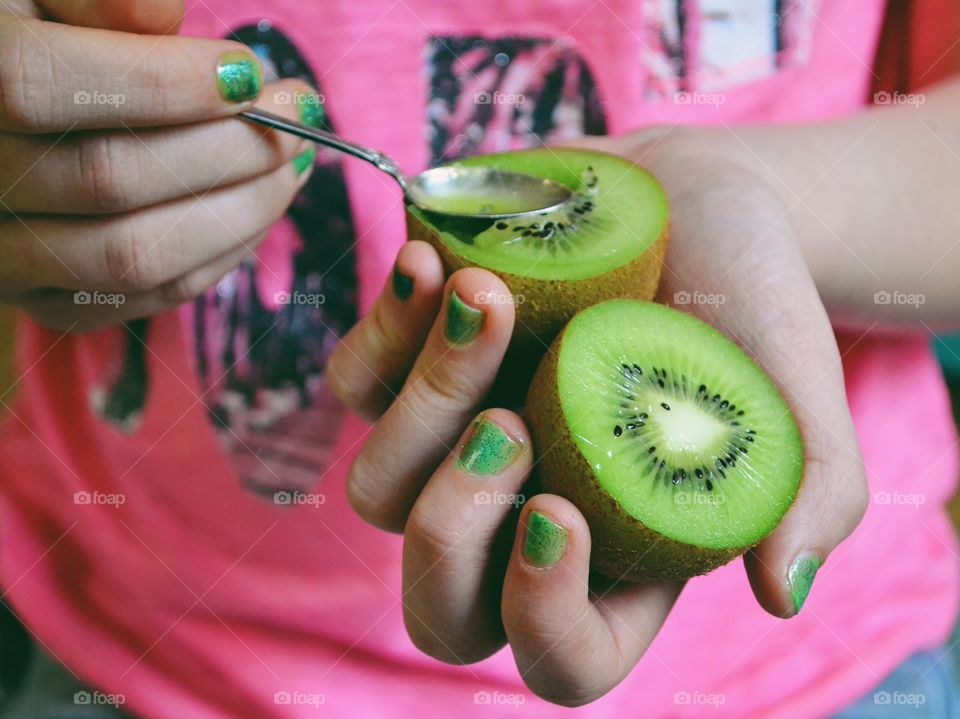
133 542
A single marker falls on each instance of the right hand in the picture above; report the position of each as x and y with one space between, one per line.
124 171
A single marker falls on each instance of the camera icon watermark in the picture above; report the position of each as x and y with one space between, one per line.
86 698
885 698
499 98
99 299
713 99
108 499
86 97
699 699
309 299
698 298
914 299
299 499
295 698
899 98
485 698
900 499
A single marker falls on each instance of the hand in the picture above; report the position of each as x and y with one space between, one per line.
126 186
465 590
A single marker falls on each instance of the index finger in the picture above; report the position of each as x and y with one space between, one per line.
55 78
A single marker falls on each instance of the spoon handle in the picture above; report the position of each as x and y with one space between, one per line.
323 137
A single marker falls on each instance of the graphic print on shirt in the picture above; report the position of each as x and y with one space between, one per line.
712 45
262 336
507 93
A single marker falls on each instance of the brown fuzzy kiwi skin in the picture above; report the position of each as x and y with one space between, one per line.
544 306
622 547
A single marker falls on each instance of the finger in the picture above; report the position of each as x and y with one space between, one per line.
367 368
140 251
122 170
572 645
87 311
55 78
454 554
449 380
148 17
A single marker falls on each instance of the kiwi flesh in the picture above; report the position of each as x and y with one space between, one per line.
608 241
678 450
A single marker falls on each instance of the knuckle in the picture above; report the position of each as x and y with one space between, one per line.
106 173
362 486
436 540
387 340
131 263
25 79
438 390
348 388
183 289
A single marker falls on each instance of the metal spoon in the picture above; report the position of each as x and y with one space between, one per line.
453 190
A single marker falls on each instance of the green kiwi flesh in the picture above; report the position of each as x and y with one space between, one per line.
607 242
678 449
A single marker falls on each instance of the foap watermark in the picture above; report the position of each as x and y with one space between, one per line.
499 699
713 99
498 298
899 98
85 97
699 699
310 299
301 99
500 498
900 499
699 498
499 98
85 698
900 699
698 298
299 499
912 299
108 499
99 299
303 699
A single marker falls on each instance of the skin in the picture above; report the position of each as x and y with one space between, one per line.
781 263
789 216
104 209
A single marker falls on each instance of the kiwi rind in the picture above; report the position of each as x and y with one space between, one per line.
549 303
623 548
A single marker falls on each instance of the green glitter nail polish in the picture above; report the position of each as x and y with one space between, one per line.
463 321
544 541
488 451
239 77
402 284
310 108
304 161
800 578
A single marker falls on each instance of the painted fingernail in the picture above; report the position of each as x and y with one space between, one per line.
544 541
304 161
239 77
488 451
402 284
310 108
463 321
800 578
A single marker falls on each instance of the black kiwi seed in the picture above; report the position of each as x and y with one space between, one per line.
699 473
665 405
709 486
617 431
652 450
702 389
660 382
502 225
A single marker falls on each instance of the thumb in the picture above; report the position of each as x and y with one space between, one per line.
147 17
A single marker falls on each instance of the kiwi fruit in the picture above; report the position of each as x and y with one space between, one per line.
608 241
678 450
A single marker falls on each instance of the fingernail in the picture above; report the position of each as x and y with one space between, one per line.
544 541
402 284
463 321
488 451
310 108
800 578
304 161
239 77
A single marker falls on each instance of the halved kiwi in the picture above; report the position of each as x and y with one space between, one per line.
607 242
678 449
